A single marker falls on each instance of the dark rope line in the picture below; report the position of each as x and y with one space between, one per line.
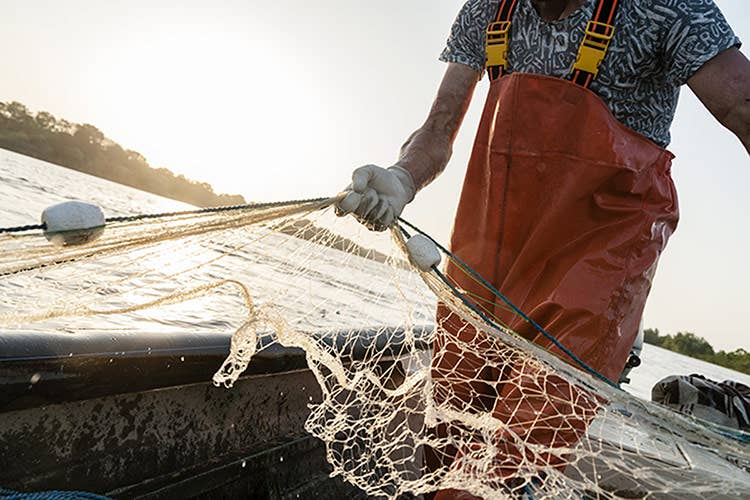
39 266
499 295
153 216
200 211
6 494
213 210
19 229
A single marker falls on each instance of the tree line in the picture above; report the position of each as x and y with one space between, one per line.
85 148
694 346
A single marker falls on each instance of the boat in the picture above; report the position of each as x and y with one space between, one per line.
117 409
130 415
136 416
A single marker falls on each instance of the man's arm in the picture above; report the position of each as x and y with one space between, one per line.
377 195
427 151
723 86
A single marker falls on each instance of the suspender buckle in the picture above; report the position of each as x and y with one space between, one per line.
594 47
497 44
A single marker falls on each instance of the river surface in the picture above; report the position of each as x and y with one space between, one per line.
27 186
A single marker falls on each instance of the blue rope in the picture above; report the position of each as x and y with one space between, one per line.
529 492
6 494
116 354
499 295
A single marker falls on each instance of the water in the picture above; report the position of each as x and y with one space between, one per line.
27 186
659 363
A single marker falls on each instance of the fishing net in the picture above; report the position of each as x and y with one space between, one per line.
408 406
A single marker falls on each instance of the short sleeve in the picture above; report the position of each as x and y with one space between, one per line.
466 42
696 32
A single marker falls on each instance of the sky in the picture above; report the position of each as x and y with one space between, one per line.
282 100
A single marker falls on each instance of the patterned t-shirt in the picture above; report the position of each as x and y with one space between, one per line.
658 45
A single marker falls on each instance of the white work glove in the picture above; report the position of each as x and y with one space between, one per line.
377 196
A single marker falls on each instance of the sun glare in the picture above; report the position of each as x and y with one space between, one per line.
220 107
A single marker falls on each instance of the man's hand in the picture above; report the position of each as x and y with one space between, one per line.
377 196
723 86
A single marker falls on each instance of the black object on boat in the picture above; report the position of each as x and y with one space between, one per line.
136 416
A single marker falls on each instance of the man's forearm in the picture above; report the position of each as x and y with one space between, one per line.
427 151
723 85
425 154
738 121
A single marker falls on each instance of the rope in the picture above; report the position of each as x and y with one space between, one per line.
19 229
200 211
6 494
214 210
502 297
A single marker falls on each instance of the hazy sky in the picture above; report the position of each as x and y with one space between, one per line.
282 99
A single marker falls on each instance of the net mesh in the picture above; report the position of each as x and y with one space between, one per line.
410 404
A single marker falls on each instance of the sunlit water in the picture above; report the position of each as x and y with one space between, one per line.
27 186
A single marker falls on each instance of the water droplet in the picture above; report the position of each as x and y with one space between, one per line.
244 463
281 459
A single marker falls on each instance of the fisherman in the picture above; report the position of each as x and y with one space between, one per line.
567 201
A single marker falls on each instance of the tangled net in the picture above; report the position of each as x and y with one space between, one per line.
407 408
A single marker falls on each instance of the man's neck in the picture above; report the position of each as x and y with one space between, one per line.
552 10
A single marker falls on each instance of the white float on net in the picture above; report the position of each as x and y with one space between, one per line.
423 252
73 223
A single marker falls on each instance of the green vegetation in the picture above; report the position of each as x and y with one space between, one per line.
85 148
694 346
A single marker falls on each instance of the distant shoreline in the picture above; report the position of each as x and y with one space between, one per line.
85 148
691 345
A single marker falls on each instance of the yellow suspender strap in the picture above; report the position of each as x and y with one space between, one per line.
591 53
593 49
498 38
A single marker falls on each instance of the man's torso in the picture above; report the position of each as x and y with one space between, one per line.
658 45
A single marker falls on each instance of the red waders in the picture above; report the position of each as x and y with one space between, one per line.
565 211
